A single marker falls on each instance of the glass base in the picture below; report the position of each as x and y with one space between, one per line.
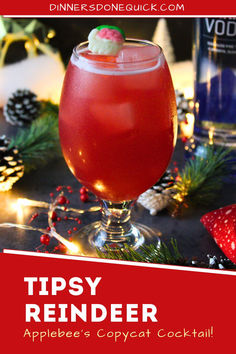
93 236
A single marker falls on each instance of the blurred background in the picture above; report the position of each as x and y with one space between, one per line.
71 31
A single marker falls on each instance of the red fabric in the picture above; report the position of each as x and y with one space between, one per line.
221 224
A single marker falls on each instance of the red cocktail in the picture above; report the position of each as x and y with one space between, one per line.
117 123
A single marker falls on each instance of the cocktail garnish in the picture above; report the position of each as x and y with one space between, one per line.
106 40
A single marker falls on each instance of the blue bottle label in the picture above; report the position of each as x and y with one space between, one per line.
215 84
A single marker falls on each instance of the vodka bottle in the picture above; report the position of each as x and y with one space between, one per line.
215 81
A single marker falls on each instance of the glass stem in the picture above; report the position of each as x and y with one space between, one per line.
115 228
115 221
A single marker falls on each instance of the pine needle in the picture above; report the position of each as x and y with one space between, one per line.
47 107
202 178
147 254
39 143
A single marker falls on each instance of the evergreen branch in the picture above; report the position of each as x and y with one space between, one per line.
202 178
39 143
147 254
47 107
164 255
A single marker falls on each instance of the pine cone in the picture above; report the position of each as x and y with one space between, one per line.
4 142
160 195
165 182
11 165
21 108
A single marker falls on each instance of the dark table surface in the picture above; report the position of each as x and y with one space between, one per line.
193 240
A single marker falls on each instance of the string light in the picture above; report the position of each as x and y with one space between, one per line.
74 249
24 202
51 34
36 42
27 45
16 207
21 204
187 126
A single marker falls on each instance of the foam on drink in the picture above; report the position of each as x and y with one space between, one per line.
129 61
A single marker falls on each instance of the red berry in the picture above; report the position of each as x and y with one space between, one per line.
84 197
75 229
45 239
68 187
61 200
54 224
79 222
54 216
59 188
66 218
34 216
69 232
61 247
76 219
48 228
67 202
70 191
51 195
83 190
58 219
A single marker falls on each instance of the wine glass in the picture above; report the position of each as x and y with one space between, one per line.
117 124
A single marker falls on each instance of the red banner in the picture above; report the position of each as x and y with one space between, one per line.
75 303
101 8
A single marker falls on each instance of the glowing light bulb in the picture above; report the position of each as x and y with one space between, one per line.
188 126
211 135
